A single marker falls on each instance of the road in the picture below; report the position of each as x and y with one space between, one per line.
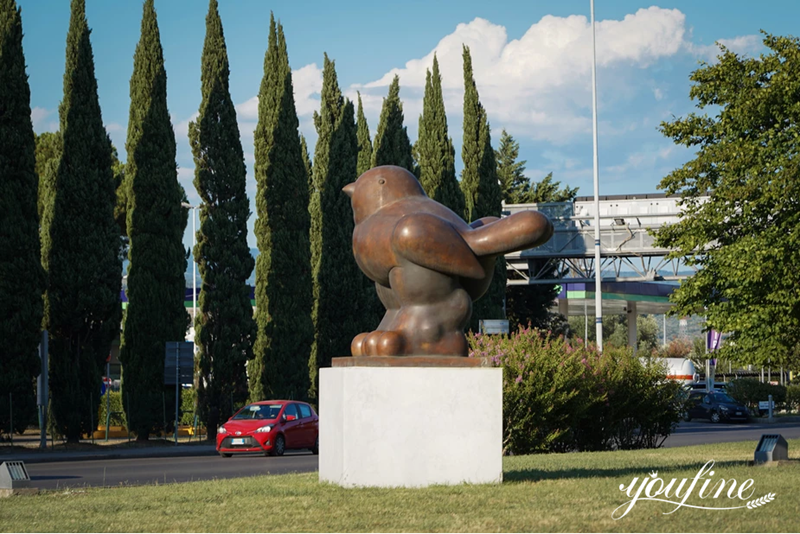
136 471
700 433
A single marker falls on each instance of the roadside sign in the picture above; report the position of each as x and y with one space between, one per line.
493 326
178 360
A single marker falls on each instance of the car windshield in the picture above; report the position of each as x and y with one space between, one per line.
259 411
722 397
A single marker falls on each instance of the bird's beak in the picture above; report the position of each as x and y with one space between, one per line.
349 189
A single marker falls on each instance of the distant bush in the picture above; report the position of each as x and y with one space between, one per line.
117 413
793 397
750 391
188 398
559 396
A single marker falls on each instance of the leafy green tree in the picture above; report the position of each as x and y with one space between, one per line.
744 239
22 279
155 223
391 146
80 243
615 331
511 173
283 267
549 191
364 142
482 193
338 282
224 328
436 155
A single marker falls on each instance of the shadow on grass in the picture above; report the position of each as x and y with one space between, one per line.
536 475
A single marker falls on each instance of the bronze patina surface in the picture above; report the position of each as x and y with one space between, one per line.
410 361
428 265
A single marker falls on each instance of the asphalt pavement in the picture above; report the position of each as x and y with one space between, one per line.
701 433
140 471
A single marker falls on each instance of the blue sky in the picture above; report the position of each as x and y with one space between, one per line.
531 60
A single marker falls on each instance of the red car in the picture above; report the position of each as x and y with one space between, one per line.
270 427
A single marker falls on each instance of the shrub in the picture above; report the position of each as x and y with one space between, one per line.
750 391
559 396
793 397
117 413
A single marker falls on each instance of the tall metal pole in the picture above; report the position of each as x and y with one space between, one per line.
598 293
194 270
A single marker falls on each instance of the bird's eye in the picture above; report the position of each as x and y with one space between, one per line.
381 181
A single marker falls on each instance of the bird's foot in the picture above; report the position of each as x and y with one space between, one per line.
378 343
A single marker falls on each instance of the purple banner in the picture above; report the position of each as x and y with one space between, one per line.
713 340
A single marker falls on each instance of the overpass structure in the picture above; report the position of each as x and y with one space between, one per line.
636 276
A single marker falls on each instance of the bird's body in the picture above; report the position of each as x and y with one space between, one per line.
428 265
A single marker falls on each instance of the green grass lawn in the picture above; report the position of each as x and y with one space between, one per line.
557 492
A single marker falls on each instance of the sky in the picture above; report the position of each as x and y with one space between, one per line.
531 60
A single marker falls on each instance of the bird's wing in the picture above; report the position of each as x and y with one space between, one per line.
520 231
434 243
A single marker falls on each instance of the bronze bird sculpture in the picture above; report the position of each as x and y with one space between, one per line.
428 265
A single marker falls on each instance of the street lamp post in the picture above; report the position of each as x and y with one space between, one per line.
598 294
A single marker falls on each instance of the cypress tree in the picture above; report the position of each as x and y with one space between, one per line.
392 146
482 193
155 223
307 163
48 152
338 282
364 141
283 267
371 306
224 329
22 279
80 244
435 148
471 143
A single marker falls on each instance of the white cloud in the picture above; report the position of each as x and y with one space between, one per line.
181 128
658 93
645 160
114 127
247 110
42 120
307 83
747 45
538 84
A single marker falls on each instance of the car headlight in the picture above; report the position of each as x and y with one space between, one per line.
266 428
724 408
221 430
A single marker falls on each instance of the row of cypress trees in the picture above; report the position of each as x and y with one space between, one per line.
311 299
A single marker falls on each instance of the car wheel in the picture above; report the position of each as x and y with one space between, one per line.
315 448
715 417
279 447
687 417
225 454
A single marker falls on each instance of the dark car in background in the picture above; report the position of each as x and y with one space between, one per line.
270 427
715 406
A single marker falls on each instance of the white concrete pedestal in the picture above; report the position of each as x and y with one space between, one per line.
410 426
